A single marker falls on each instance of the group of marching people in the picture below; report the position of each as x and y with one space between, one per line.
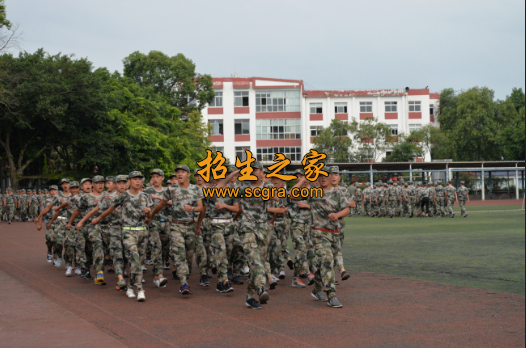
25 205
115 222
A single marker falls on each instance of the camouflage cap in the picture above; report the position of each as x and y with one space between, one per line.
97 178
390 181
257 165
367 183
385 184
265 170
157 171
462 182
135 174
196 170
110 178
334 170
22 190
65 180
357 184
395 184
439 182
183 167
74 184
9 189
379 181
173 175
53 187
121 177
405 184
411 183
299 171
84 180
231 169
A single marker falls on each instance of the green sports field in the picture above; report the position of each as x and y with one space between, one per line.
484 250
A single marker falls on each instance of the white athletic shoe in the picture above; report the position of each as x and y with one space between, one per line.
130 293
143 281
160 283
49 258
144 269
140 296
78 271
69 271
58 263
281 275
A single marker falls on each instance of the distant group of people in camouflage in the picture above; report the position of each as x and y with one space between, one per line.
25 205
114 222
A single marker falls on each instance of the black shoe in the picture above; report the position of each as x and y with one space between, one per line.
273 283
204 280
345 275
83 272
336 282
209 275
290 264
318 295
174 275
227 287
230 274
214 270
167 265
88 276
236 280
263 296
220 287
304 276
111 270
252 303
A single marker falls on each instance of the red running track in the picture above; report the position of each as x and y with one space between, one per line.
42 307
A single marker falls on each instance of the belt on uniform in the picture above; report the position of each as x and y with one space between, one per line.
61 218
279 221
156 218
326 230
221 221
131 228
183 222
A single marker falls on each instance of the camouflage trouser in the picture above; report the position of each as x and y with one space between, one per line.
59 230
69 246
282 232
33 211
418 205
410 205
367 207
274 257
194 245
300 236
134 243
177 248
234 249
206 235
84 248
158 228
440 206
254 240
358 209
95 238
23 212
311 253
462 204
116 247
10 211
450 204
392 205
326 245
105 234
373 207
381 205
338 257
218 249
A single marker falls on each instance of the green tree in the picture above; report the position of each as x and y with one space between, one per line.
517 98
371 139
3 17
173 77
335 141
404 151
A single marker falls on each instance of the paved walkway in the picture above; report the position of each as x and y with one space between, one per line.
42 307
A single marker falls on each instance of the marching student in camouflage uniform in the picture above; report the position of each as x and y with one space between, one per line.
47 214
451 195
326 211
432 199
234 249
439 190
352 193
203 241
358 199
104 226
10 205
462 195
418 198
186 200
407 210
23 202
411 198
399 193
253 232
279 230
367 193
391 198
159 227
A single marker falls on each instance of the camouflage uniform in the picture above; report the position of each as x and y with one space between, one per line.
159 231
33 207
358 201
399 192
86 204
380 204
450 198
105 231
418 202
58 226
462 196
440 199
46 218
391 190
339 257
182 229
23 200
432 201
134 230
10 206
254 236
300 230
234 248
70 242
325 241
367 192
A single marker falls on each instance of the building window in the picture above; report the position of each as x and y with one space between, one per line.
240 152
217 127
315 130
431 109
278 129
316 108
266 154
414 127
220 149
340 108
277 101
241 98
394 129
414 106
366 106
391 107
218 100
242 127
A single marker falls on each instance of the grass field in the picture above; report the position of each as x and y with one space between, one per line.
482 251
488 207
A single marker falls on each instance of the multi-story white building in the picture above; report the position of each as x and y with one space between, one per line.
268 116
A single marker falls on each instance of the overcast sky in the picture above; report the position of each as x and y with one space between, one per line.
330 45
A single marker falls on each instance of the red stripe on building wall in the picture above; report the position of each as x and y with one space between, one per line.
419 159
273 115
364 115
391 115
342 117
242 137
215 111
217 138
285 142
241 84
316 117
241 110
415 115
